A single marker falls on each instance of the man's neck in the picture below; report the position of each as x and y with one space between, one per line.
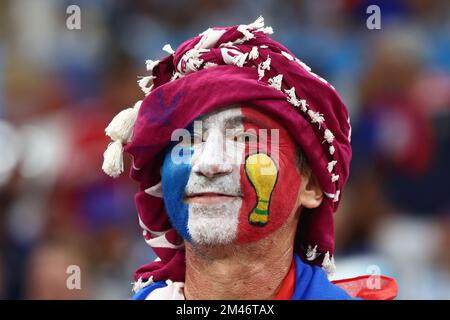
251 271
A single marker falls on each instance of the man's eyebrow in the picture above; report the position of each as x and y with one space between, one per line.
239 120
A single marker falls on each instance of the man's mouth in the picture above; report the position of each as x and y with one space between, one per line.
210 197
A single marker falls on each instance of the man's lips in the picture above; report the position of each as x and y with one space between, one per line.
210 197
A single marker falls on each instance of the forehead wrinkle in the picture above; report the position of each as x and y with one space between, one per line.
219 118
241 119
235 121
231 118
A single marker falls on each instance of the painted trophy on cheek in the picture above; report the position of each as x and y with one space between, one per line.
262 173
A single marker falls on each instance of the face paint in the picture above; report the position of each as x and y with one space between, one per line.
282 180
174 177
262 173
232 190
211 199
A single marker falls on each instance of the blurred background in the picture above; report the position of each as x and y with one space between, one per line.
59 89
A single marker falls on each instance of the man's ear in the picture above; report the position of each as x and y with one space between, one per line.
311 194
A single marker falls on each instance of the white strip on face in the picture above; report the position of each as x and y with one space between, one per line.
213 191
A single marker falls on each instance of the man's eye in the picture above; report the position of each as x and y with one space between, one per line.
246 137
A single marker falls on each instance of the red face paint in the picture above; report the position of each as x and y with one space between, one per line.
284 195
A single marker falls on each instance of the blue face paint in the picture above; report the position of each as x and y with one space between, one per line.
174 177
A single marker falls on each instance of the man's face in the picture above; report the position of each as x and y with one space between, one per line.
235 180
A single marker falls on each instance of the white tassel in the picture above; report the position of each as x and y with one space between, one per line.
292 99
303 105
316 117
168 48
227 44
311 254
122 125
254 54
176 75
192 60
328 264
151 64
291 93
266 30
260 71
329 136
276 81
239 60
332 150
210 65
113 159
336 196
266 64
144 82
287 55
334 177
247 34
331 165
147 90
138 285
257 24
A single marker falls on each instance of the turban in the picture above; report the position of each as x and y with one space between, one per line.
218 68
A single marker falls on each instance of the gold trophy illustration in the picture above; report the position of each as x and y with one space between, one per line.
262 173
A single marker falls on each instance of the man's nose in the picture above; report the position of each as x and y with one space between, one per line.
211 161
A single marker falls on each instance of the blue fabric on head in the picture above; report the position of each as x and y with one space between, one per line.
174 178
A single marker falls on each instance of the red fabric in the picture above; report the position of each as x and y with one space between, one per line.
175 104
288 285
358 287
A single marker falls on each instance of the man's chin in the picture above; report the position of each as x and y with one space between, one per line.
212 231
214 224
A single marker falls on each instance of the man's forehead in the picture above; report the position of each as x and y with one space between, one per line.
222 116
235 116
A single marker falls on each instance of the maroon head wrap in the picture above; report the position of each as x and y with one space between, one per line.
221 67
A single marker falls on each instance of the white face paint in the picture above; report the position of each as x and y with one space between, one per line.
213 190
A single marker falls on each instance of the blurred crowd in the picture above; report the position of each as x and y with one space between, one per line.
59 88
